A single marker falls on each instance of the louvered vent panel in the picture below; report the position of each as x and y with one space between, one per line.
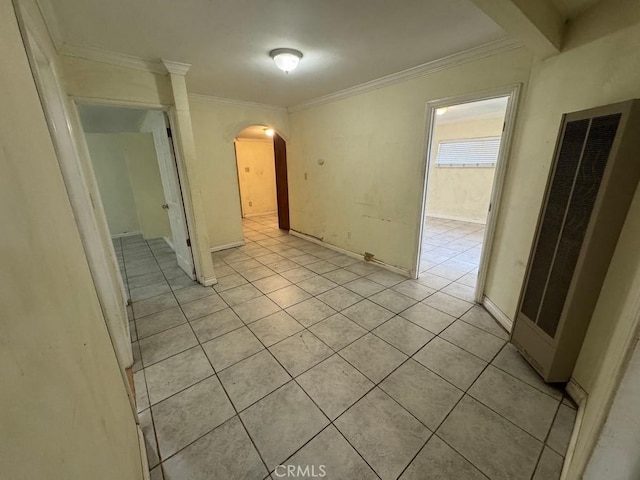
558 199
585 192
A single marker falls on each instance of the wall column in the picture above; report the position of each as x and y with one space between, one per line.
187 165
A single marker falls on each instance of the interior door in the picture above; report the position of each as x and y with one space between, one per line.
172 193
282 185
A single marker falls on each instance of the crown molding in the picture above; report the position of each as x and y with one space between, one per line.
164 66
112 58
235 103
176 68
488 49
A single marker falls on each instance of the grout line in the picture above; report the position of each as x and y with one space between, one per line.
219 381
546 438
305 328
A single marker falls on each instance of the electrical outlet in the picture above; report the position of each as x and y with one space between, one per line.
246 169
251 204
349 235
305 176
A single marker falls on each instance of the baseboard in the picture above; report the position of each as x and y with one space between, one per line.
579 396
250 215
127 234
169 242
143 455
498 314
451 217
207 282
349 253
576 392
227 246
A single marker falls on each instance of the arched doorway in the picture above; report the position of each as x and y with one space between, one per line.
261 157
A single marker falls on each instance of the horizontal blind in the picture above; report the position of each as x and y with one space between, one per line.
468 152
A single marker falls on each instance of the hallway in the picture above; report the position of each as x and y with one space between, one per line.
304 356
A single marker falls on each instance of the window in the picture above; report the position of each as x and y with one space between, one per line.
468 152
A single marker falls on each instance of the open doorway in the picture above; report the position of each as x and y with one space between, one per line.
261 159
468 140
134 165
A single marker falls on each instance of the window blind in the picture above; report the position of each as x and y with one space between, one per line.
468 152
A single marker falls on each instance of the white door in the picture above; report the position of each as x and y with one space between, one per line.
156 124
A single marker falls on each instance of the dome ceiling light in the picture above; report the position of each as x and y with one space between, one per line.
286 59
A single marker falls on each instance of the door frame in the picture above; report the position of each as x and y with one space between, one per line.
169 111
81 186
511 91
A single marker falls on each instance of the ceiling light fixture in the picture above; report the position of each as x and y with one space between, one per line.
269 132
442 110
286 59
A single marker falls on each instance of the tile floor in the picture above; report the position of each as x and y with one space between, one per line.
451 249
300 356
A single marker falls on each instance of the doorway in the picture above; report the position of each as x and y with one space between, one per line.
134 164
468 139
261 159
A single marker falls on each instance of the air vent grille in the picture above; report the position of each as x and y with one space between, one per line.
566 167
583 198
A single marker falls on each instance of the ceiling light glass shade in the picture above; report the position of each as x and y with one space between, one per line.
269 132
286 59
441 111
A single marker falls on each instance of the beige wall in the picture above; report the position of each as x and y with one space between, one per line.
95 80
215 126
110 167
604 71
461 193
126 168
64 408
144 175
256 176
367 194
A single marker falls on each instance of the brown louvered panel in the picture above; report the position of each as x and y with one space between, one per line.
585 191
558 198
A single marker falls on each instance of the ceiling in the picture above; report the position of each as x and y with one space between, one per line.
345 43
104 119
255 132
467 111
572 8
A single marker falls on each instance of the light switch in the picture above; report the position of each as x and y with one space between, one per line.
246 169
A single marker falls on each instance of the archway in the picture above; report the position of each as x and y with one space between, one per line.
261 158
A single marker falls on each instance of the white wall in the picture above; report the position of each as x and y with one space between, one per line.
126 168
256 176
367 195
616 454
461 193
215 126
90 79
64 408
110 167
144 175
